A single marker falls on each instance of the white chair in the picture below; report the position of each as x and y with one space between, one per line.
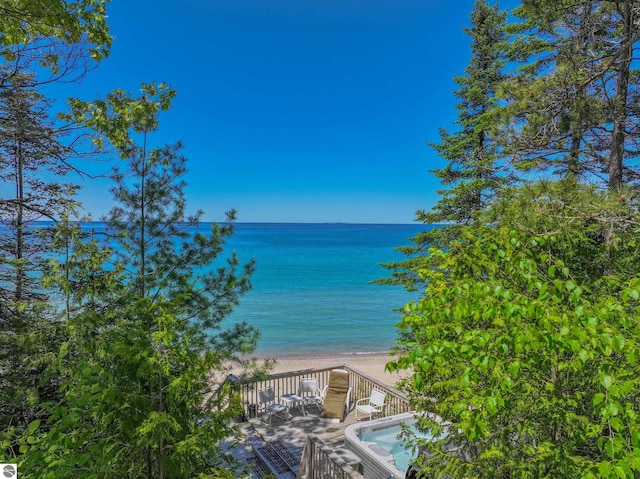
268 403
374 404
310 394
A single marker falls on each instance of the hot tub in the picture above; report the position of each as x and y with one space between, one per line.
376 442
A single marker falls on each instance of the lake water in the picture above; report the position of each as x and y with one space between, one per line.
312 291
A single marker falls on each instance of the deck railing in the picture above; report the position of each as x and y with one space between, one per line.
246 390
319 461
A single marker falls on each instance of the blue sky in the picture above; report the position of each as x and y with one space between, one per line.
294 110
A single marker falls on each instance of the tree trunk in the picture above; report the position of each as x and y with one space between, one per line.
620 99
574 153
19 222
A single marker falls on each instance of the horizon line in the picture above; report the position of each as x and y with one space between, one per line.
279 222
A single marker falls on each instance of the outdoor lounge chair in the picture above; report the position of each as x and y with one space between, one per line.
268 404
336 401
310 394
374 404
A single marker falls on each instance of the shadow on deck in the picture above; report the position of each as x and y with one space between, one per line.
311 447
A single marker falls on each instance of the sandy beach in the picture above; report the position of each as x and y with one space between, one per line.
370 364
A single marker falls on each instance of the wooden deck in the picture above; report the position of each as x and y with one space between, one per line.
294 431
292 435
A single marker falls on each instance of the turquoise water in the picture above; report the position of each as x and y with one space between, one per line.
312 291
390 439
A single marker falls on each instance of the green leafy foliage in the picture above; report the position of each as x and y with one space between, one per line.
113 339
24 23
525 341
142 335
119 117
32 166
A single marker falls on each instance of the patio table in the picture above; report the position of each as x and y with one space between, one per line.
290 400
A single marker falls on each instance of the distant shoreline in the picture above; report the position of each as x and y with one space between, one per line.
336 355
275 223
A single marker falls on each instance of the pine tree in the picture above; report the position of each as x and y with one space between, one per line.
552 113
172 311
32 160
570 107
475 167
138 397
625 33
472 152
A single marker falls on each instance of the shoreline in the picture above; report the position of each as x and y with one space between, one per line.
371 364
321 354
